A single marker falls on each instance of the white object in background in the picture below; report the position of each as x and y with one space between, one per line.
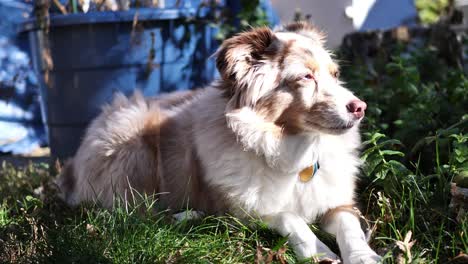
327 15
85 5
111 5
382 14
462 5
340 17
358 11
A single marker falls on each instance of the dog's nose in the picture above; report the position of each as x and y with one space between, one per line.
357 108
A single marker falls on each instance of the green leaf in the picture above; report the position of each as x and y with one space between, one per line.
280 243
461 159
381 172
367 152
393 67
398 122
396 165
375 136
412 89
371 164
388 152
389 142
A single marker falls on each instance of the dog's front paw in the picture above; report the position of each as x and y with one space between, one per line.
187 216
319 253
363 257
326 261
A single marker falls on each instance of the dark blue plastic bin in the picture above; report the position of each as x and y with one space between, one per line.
96 54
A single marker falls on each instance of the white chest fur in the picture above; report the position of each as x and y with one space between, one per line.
255 187
271 191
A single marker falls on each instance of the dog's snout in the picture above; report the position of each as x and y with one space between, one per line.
357 108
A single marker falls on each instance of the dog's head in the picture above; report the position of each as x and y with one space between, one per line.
289 79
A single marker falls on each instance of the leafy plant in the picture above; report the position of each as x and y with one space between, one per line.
429 11
415 144
412 94
250 15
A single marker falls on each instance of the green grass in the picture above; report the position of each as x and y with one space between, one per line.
41 229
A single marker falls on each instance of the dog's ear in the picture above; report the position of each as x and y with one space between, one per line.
238 55
306 29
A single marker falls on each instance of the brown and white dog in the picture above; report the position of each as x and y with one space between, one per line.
247 145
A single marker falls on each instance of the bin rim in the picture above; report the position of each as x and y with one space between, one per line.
101 17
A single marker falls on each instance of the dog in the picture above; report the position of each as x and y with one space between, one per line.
275 138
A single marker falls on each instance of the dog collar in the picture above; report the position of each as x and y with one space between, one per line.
308 173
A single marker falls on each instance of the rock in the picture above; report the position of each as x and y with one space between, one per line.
459 202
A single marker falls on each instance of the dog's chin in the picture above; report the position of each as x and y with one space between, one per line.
332 129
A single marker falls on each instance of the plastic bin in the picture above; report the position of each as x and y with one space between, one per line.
96 54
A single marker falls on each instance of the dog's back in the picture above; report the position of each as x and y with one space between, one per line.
121 156
114 153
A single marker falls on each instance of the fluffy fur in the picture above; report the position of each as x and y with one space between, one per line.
239 145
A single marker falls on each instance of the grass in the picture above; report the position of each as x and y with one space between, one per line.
41 229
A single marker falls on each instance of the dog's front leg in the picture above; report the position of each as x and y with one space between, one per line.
300 237
343 222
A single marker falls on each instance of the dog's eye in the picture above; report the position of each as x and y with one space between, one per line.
336 74
309 77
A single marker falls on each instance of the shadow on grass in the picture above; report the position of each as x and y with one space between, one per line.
37 227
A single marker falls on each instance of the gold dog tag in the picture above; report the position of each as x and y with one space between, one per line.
306 174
